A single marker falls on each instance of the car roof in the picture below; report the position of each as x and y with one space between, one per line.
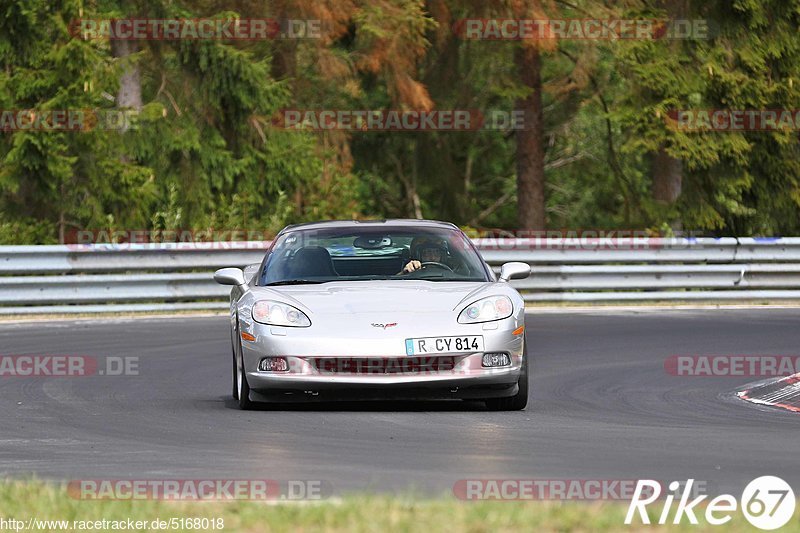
391 222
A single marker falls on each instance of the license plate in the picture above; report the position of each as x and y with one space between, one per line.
429 345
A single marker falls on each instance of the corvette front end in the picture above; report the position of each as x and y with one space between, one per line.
340 352
383 309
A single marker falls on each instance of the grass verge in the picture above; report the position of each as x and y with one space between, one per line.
33 500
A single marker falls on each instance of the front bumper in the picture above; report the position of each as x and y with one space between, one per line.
306 379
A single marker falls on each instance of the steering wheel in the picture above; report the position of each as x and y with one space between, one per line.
434 263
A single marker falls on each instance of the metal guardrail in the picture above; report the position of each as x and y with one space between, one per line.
153 277
80 258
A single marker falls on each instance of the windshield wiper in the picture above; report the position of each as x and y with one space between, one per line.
295 282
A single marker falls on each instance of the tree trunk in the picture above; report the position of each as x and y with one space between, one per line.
284 60
61 225
666 171
284 51
130 82
415 202
530 145
667 177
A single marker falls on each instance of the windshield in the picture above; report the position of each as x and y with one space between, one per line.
370 253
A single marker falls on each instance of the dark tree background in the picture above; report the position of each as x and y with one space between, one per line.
598 150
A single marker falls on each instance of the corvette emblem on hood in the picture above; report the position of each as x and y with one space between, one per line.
384 326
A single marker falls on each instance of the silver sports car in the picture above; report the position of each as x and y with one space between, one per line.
377 309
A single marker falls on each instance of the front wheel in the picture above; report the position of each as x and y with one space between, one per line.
520 400
241 389
235 366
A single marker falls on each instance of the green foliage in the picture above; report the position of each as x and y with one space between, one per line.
736 182
203 153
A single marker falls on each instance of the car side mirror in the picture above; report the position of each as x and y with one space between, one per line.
514 270
229 276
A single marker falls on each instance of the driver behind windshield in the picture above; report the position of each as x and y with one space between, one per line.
425 250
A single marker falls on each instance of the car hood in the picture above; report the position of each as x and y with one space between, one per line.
380 296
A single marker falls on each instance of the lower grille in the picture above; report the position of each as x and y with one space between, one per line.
383 365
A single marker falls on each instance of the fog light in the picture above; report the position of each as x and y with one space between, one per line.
273 364
496 359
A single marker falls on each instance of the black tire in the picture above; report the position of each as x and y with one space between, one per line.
235 391
244 396
519 401
234 338
242 390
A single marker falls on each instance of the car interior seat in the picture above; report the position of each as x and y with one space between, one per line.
312 261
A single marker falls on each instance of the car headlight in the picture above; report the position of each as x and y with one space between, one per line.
278 314
486 310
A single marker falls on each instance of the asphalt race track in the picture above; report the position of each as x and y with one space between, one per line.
602 407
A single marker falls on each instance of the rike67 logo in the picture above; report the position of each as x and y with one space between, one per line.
767 502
